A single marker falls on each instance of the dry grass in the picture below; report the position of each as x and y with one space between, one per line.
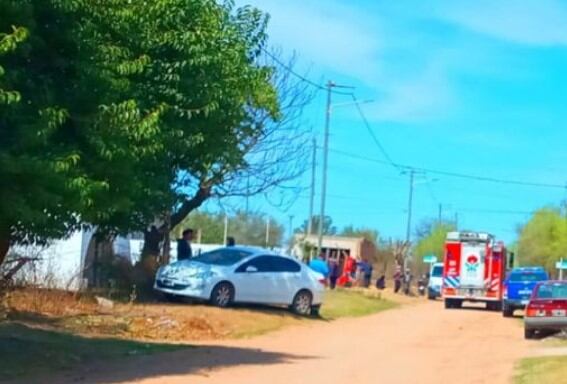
49 302
80 314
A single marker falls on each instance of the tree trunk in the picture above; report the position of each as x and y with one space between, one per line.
152 240
154 237
189 205
4 244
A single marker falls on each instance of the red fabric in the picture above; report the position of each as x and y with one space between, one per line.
350 265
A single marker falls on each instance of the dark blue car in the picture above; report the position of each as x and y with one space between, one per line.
518 287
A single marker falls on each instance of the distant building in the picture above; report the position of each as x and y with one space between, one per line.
334 246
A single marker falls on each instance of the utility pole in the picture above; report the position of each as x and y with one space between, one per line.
291 229
247 192
225 237
410 206
330 86
457 220
268 232
312 197
440 213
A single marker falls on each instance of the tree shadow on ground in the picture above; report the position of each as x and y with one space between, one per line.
29 355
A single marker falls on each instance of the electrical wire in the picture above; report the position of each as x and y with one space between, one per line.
453 174
301 77
372 134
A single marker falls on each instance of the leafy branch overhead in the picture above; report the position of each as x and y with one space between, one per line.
132 110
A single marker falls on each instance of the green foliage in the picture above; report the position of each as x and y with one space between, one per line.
127 109
543 239
432 243
368 233
246 228
328 228
210 225
41 188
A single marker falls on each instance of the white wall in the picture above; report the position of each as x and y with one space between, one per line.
59 265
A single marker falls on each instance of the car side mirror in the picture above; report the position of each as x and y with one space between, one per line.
251 269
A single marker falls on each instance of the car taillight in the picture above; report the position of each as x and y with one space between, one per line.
323 281
537 310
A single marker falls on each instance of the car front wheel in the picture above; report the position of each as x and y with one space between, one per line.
302 303
222 295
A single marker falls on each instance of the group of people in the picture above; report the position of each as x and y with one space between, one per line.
353 272
402 280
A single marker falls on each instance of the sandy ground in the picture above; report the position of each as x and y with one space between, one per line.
421 343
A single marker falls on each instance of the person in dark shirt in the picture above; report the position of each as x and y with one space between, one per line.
230 242
334 273
184 250
381 282
397 279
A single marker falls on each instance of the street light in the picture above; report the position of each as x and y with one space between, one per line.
412 172
330 86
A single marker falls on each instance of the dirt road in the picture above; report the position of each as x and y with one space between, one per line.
421 343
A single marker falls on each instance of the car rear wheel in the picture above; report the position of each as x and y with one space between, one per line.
302 303
529 333
222 295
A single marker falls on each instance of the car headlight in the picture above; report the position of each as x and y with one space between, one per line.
161 272
192 275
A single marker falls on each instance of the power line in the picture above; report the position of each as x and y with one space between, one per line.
454 174
372 134
285 66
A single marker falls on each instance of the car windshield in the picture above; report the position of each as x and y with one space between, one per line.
437 271
552 291
527 276
222 256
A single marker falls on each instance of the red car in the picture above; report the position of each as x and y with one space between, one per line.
547 308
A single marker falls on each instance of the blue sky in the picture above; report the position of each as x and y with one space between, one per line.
477 87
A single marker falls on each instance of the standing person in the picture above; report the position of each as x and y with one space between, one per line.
333 273
397 279
367 271
381 282
184 250
230 242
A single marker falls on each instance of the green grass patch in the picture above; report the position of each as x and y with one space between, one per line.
26 352
344 303
542 370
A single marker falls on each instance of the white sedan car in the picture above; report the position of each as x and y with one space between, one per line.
244 275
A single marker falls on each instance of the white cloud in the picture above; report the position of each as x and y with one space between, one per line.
534 22
331 36
420 98
380 49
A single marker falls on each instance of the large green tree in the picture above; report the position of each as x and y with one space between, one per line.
134 112
42 188
543 239
431 242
